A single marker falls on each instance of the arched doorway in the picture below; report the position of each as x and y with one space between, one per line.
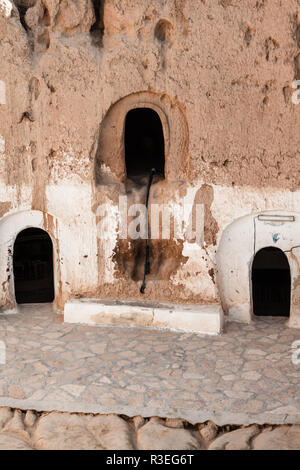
271 283
33 267
144 143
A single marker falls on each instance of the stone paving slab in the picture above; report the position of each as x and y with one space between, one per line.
244 376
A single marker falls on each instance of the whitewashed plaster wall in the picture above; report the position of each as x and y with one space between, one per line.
74 234
240 241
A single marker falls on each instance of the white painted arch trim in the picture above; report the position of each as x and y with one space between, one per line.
240 242
10 226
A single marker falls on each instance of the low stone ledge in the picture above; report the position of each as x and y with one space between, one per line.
206 319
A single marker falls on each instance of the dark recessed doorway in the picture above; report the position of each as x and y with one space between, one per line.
144 143
271 283
33 267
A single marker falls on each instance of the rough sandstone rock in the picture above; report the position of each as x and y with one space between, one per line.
156 436
72 431
8 442
208 431
64 432
68 16
64 16
138 422
30 419
21 430
75 16
16 426
5 415
174 423
111 431
281 438
235 440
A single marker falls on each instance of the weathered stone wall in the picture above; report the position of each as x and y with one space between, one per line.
221 74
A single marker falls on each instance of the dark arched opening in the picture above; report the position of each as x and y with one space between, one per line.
271 283
33 267
144 143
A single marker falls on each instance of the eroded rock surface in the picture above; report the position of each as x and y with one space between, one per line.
281 438
235 440
155 435
63 432
8 442
25 430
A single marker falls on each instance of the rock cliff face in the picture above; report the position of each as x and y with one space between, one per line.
219 74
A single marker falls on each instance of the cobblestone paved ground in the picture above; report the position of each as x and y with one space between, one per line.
244 376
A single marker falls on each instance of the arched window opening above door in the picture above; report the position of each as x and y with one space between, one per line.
144 143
